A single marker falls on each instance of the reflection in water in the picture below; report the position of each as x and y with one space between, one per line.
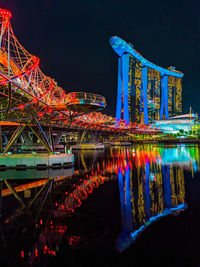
151 186
61 194
79 194
22 201
151 183
7 188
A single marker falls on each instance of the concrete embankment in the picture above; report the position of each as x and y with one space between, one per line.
23 161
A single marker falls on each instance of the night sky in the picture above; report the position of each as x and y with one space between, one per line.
71 38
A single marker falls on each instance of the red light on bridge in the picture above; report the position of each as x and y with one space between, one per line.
6 13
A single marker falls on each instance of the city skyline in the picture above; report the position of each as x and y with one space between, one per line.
72 41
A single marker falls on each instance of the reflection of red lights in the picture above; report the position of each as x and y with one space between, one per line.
36 252
73 240
122 160
80 193
49 251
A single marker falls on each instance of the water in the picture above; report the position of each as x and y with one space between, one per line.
120 207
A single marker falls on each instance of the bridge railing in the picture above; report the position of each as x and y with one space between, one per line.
85 98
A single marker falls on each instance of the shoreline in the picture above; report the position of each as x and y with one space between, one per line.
167 141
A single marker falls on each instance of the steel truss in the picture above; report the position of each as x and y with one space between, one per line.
36 128
30 97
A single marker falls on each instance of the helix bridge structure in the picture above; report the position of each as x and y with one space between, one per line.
30 98
26 92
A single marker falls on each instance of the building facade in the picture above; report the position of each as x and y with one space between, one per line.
146 92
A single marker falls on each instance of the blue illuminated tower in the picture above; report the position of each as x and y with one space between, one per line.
145 91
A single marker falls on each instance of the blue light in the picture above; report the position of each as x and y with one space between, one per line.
125 50
119 90
120 46
128 238
144 85
125 69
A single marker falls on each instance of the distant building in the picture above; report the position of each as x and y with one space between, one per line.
146 92
175 124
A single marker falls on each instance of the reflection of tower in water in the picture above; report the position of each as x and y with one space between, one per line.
149 191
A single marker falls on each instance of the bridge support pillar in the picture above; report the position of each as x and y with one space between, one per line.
94 136
14 137
51 138
39 134
57 138
82 136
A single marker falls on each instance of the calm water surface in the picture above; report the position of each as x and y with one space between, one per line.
120 207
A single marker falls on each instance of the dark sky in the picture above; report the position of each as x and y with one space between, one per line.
71 38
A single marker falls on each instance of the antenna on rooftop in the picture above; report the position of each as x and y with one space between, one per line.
190 111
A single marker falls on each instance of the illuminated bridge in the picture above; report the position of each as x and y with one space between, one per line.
31 100
146 91
26 92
